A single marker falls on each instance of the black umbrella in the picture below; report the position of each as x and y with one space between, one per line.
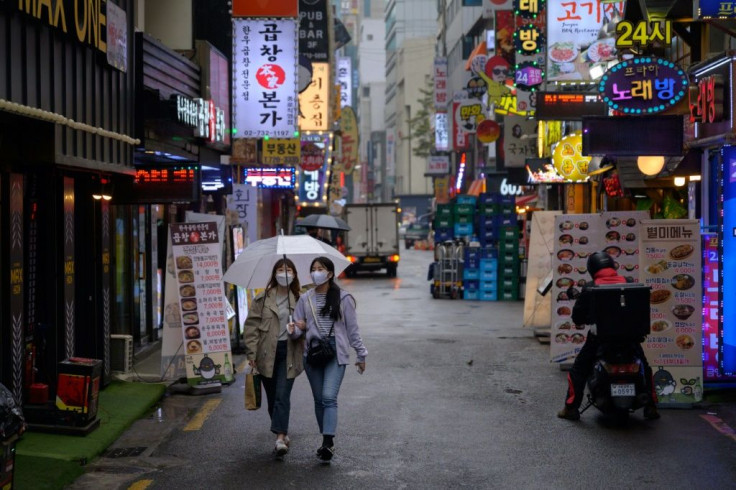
323 221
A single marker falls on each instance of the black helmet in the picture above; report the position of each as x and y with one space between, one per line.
598 261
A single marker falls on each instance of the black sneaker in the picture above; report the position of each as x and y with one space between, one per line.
325 453
569 413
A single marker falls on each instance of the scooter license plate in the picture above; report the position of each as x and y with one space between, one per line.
627 389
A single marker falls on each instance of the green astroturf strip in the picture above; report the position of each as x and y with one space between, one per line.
45 473
120 404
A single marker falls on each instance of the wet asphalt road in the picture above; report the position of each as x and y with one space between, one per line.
456 394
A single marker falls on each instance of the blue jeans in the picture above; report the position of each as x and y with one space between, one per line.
325 382
278 392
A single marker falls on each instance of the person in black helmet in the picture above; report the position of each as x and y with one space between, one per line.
603 270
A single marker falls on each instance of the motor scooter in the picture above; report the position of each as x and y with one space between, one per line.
618 385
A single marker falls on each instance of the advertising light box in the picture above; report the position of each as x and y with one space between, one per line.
265 80
270 177
568 106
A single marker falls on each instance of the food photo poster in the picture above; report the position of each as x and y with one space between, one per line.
577 236
205 337
671 266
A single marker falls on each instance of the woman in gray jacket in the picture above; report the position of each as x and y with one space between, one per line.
269 349
329 312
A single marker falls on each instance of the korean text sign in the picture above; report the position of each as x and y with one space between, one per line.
314 102
644 85
265 61
575 38
197 257
670 263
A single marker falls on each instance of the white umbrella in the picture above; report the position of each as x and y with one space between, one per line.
252 269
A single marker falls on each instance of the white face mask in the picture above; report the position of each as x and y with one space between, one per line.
284 279
320 277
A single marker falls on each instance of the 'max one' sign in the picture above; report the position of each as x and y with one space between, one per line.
86 18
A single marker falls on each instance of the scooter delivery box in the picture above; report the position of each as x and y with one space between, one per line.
621 311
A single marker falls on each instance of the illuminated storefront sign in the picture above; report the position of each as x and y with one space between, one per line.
265 65
270 177
281 152
156 183
568 158
643 33
312 178
441 94
706 100
441 132
438 165
207 120
568 106
577 40
314 102
645 85
345 80
716 8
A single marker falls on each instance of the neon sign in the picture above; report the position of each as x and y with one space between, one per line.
644 85
270 177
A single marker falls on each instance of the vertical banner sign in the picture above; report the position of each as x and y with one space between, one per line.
530 42
313 30
16 284
312 178
670 263
205 333
459 136
265 64
441 132
314 102
69 320
172 355
243 203
576 237
241 303
519 140
711 371
117 37
349 128
580 38
390 154
345 80
105 245
441 93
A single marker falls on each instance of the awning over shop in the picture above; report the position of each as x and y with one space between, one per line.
526 200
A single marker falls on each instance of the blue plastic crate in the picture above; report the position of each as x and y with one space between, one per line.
471 284
486 198
471 295
489 252
463 229
488 274
488 295
504 200
472 253
465 199
443 234
490 285
507 220
485 222
471 273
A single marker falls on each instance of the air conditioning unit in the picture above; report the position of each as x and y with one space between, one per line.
121 353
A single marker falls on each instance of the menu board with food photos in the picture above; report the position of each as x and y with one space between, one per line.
671 264
577 236
198 271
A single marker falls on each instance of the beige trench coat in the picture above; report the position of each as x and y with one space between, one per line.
261 336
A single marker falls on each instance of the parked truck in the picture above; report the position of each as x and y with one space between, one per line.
373 240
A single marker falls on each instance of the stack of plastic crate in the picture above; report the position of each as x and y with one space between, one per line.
508 249
463 211
471 273
443 222
488 282
485 219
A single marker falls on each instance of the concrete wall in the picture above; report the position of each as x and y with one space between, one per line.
170 21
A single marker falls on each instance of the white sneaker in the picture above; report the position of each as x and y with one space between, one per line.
281 447
286 441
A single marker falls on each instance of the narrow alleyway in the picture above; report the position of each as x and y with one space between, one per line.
456 394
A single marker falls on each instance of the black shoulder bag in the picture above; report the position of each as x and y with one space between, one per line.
319 350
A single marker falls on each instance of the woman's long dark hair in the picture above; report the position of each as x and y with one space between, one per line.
294 286
332 301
